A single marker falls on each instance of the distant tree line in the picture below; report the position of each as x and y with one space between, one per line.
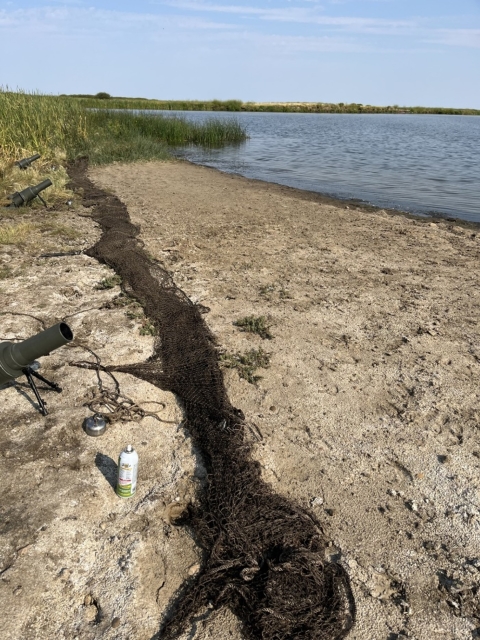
100 99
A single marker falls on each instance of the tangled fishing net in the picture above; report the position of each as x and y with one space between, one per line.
264 557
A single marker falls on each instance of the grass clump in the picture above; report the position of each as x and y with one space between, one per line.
133 311
268 291
5 272
147 328
108 283
55 229
16 233
255 324
247 363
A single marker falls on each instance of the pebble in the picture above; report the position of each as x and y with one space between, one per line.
24 550
115 623
413 506
87 600
195 568
91 613
174 511
18 590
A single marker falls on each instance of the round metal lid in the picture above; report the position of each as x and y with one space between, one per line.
95 425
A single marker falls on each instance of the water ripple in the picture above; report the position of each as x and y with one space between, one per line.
417 163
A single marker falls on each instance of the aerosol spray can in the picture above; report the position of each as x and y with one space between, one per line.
127 472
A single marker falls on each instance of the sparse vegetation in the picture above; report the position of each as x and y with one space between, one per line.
266 291
270 290
15 233
255 324
133 311
284 294
147 328
5 272
123 300
247 363
109 283
59 230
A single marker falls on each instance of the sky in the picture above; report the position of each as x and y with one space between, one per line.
381 52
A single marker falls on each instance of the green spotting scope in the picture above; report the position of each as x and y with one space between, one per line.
17 359
30 193
26 162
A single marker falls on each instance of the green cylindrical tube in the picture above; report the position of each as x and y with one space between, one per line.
27 195
26 162
15 357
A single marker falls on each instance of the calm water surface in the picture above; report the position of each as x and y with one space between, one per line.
417 163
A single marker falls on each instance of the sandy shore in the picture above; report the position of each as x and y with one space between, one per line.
368 411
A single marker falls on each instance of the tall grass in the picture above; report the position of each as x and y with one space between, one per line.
41 124
62 128
119 135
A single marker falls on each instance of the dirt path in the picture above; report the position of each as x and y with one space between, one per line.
368 410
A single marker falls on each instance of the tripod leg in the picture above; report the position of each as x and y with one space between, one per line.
53 385
33 386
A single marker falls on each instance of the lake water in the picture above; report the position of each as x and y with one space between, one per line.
418 163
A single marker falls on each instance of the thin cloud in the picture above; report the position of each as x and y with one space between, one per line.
342 34
456 37
73 20
295 14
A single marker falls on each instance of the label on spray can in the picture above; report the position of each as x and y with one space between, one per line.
127 472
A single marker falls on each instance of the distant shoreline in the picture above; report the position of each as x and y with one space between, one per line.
106 101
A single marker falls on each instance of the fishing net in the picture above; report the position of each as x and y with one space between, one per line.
264 557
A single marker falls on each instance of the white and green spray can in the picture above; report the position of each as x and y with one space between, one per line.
127 472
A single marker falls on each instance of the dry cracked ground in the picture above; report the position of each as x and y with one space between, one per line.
367 405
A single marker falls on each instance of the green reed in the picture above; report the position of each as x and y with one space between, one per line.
39 124
62 127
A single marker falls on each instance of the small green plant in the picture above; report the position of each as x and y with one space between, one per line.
122 301
255 324
108 283
134 312
267 292
5 272
247 363
147 328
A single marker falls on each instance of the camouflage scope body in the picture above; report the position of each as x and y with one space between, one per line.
15 357
27 195
26 162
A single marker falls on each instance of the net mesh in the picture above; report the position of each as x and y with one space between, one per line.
263 556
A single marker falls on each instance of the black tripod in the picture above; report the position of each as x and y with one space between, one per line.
31 373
